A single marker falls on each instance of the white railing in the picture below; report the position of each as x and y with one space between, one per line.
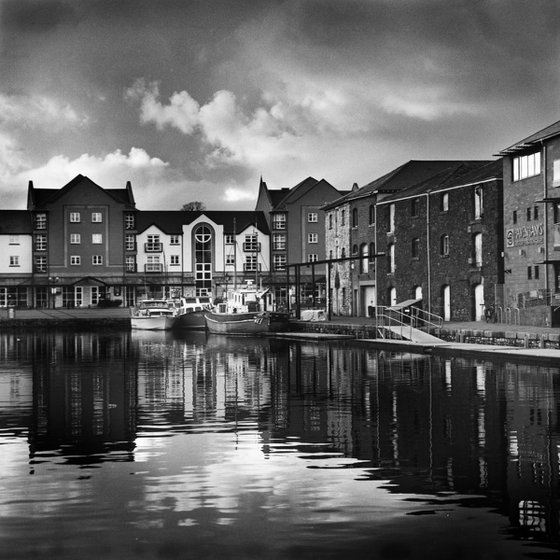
408 318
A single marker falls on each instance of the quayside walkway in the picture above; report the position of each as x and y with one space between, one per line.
518 342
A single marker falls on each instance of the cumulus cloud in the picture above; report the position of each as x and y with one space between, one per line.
37 111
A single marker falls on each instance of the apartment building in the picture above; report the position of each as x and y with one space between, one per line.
297 227
81 244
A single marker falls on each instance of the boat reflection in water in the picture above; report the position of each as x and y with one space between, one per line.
167 445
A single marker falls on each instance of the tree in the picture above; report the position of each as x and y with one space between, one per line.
194 205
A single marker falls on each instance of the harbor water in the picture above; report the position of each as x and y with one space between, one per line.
139 445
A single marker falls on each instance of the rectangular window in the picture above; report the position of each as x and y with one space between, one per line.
230 260
40 221
250 263
153 264
97 260
536 213
556 173
130 263
312 217
40 264
75 238
229 240
96 217
75 260
312 257
97 238
75 217
529 273
129 221
279 262
312 238
153 245
444 202
14 240
415 248
414 203
174 240
174 260
537 273
40 242
526 166
251 244
514 216
130 242
557 212
391 218
279 221
478 203
14 260
342 217
278 242
528 214
330 220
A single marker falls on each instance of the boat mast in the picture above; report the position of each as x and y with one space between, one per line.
234 256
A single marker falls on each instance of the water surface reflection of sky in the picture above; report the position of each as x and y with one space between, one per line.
116 445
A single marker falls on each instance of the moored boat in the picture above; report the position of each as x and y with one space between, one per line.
245 323
153 314
192 312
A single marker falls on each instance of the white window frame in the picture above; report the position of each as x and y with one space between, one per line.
75 217
97 217
41 220
97 239
278 241
312 238
40 262
526 166
75 260
130 242
279 221
230 259
229 239
312 257
174 260
97 260
75 239
14 260
312 217
279 262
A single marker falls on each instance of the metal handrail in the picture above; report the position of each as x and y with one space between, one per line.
388 317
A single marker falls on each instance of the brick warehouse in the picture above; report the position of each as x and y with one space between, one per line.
443 243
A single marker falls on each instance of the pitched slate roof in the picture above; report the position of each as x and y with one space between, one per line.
41 197
533 140
457 176
410 173
172 221
15 222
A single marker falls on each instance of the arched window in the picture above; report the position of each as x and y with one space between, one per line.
354 249
364 261
203 260
343 253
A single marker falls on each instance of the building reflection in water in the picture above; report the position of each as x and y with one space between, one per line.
486 432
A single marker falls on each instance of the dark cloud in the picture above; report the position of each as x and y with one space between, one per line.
35 16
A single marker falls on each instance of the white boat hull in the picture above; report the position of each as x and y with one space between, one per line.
153 323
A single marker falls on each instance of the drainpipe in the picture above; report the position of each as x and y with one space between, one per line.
545 212
428 259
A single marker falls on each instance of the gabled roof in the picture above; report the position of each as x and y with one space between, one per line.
533 140
37 198
410 173
461 175
15 222
172 221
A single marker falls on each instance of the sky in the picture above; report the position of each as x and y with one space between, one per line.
198 99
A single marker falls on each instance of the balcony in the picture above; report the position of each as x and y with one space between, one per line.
153 247
252 247
153 267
